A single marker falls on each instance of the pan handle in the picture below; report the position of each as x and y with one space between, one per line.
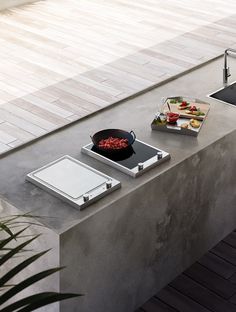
92 139
133 135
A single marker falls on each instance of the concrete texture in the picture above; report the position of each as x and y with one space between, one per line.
124 248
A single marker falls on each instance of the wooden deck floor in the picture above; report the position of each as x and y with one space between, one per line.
208 285
64 59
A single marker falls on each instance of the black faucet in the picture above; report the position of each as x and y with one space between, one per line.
226 72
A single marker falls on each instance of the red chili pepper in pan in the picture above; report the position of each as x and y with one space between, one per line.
113 143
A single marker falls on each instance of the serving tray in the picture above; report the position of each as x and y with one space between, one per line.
73 181
184 117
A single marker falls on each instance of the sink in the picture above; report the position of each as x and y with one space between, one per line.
226 94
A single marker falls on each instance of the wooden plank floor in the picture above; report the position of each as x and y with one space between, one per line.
208 285
64 59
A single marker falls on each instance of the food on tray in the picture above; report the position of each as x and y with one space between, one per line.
162 118
172 117
113 143
184 105
195 123
176 100
193 110
184 125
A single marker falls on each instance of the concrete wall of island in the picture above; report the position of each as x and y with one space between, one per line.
123 255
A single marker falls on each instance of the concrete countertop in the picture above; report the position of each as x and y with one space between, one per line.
134 114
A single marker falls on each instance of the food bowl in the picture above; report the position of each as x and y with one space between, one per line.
172 117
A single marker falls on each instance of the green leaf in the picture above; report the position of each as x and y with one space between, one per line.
26 301
13 252
7 286
26 283
40 300
20 252
20 267
6 229
24 222
7 291
4 242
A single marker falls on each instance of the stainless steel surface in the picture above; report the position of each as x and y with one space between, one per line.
109 184
140 166
72 181
226 71
86 197
134 172
66 176
159 155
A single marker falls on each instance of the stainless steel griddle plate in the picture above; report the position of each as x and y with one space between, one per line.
73 181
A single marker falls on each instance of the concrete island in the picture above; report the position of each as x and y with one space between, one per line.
122 249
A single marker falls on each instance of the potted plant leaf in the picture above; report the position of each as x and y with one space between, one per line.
11 230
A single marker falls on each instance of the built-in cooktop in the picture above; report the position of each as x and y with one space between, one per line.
134 161
73 181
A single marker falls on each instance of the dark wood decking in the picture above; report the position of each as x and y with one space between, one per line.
209 285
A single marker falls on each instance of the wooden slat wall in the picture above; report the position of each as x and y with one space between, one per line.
64 59
208 285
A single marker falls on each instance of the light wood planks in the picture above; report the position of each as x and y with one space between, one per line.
64 59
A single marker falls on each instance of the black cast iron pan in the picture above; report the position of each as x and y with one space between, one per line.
115 133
